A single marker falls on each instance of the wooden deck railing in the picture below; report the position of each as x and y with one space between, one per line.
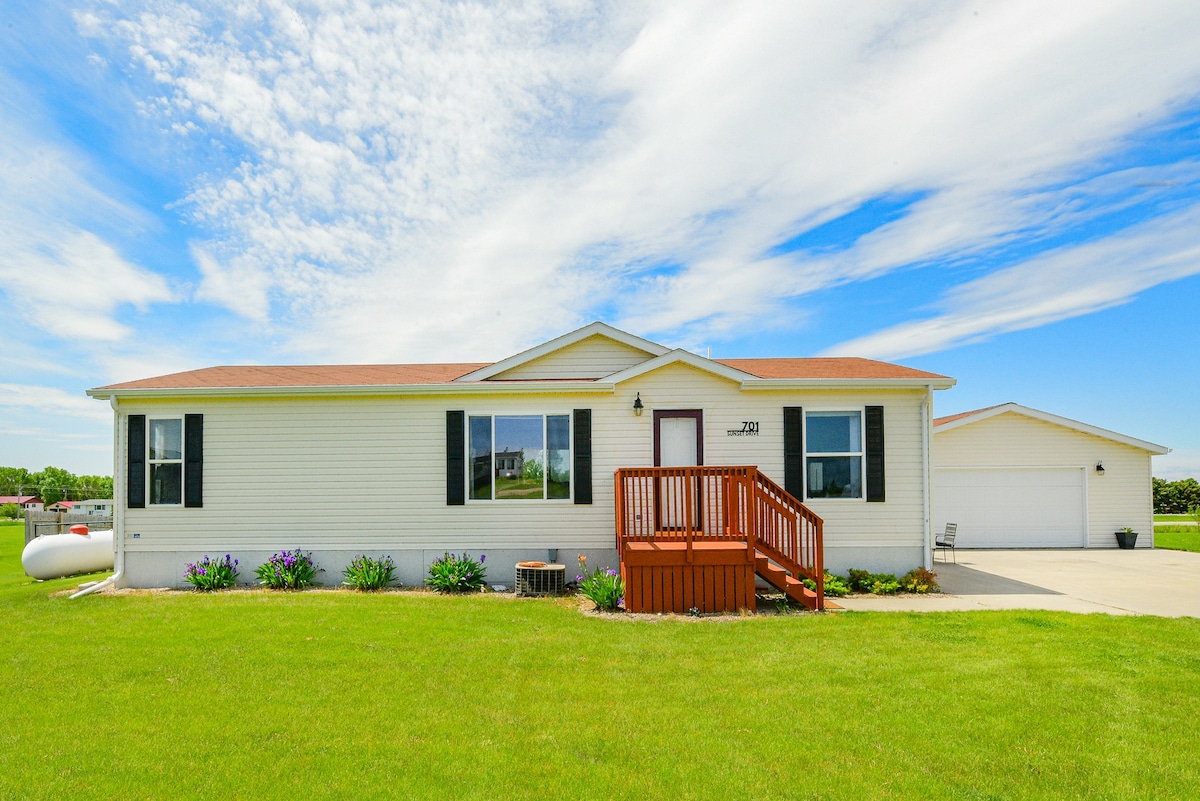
720 503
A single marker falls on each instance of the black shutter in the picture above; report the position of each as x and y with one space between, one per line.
193 460
583 456
793 451
456 459
135 463
875 482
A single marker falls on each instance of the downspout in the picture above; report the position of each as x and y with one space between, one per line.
926 423
118 510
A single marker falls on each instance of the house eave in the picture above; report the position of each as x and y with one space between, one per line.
762 384
357 390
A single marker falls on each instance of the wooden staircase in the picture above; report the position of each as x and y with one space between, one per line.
681 530
785 582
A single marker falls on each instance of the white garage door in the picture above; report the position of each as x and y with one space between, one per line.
1012 507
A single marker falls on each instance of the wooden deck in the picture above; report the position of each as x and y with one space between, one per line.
659 577
696 537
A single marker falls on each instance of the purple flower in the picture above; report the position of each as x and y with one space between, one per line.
482 558
579 578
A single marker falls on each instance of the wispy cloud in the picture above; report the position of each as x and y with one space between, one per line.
58 274
435 180
54 401
1063 283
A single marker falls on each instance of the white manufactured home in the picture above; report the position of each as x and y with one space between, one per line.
514 459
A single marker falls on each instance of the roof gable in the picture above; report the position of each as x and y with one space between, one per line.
510 366
680 356
951 422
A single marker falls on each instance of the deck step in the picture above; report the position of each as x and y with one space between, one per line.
779 578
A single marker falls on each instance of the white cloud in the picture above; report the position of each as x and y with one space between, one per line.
1183 463
53 401
435 180
242 286
1063 283
57 274
71 287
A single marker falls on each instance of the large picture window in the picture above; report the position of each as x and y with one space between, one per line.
164 461
520 457
834 454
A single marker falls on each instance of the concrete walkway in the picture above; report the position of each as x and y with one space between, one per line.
1139 582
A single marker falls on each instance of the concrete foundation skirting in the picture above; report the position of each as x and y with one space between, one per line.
145 569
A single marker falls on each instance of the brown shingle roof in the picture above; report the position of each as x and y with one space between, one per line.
409 374
937 421
331 375
824 367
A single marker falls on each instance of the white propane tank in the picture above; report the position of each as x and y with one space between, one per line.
59 555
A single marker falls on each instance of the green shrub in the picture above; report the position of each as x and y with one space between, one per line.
287 571
920 580
884 584
365 573
452 573
212 574
604 588
835 586
874 583
10 510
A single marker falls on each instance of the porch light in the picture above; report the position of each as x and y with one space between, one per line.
1100 468
637 405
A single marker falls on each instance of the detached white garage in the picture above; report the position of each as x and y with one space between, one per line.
1015 477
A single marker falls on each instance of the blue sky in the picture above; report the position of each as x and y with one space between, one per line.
1005 193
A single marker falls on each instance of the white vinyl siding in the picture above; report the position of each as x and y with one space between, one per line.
594 357
1118 498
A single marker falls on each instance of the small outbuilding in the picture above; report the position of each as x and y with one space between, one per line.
1015 477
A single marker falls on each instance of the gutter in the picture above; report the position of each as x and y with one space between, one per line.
118 510
926 425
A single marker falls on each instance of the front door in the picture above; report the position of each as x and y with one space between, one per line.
678 442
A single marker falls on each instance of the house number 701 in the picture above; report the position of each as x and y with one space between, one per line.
749 428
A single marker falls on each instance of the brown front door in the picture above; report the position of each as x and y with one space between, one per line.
678 442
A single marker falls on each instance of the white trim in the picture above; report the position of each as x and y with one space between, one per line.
861 453
926 467
570 499
1053 419
180 461
566 340
385 390
756 383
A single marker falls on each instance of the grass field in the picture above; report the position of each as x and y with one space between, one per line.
1177 538
411 695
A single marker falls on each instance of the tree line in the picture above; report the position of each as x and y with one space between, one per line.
54 484
1176 497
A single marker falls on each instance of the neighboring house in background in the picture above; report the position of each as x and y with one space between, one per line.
230 459
100 507
61 506
27 502
510 464
1015 477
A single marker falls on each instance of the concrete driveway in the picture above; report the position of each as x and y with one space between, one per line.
1139 582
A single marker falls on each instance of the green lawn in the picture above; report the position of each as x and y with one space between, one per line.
1174 519
410 695
1177 538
